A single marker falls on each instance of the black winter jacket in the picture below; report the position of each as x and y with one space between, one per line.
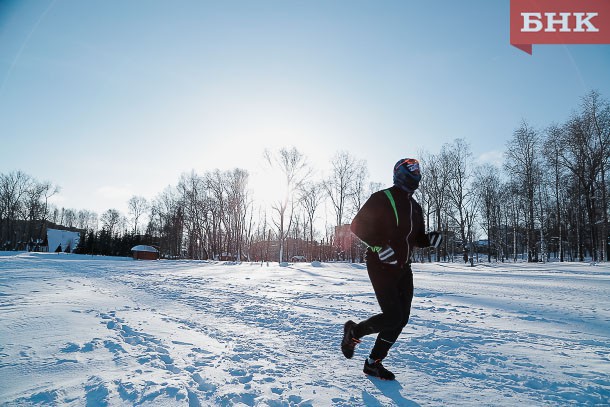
375 224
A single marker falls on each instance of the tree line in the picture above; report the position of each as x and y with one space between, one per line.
548 199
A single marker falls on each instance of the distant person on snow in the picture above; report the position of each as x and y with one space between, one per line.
391 224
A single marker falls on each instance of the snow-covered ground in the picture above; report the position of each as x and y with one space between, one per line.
81 330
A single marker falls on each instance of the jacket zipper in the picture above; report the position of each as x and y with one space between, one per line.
410 230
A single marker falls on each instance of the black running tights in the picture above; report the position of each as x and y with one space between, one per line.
394 292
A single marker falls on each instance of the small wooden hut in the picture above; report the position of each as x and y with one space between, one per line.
143 252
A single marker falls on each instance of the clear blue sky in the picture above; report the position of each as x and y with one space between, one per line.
111 98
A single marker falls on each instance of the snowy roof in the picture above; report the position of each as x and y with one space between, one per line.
144 248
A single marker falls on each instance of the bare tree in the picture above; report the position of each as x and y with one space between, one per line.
585 153
310 197
137 206
551 150
458 158
294 169
69 217
13 187
194 195
36 207
86 220
513 203
435 184
596 112
373 187
360 192
167 221
488 190
111 220
340 186
238 204
216 236
261 237
523 166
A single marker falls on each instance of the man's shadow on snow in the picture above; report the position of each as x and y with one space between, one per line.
391 389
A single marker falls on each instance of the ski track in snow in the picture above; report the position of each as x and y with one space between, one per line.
95 331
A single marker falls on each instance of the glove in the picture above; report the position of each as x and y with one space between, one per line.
435 239
387 255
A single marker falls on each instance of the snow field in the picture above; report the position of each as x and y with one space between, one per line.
81 330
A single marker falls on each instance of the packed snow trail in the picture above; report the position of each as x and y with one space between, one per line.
78 330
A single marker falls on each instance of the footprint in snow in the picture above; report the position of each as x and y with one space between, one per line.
96 392
204 385
241 375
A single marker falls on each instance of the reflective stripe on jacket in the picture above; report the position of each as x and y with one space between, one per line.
377 225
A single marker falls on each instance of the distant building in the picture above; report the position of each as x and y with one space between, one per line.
62 240
348 246
143 252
